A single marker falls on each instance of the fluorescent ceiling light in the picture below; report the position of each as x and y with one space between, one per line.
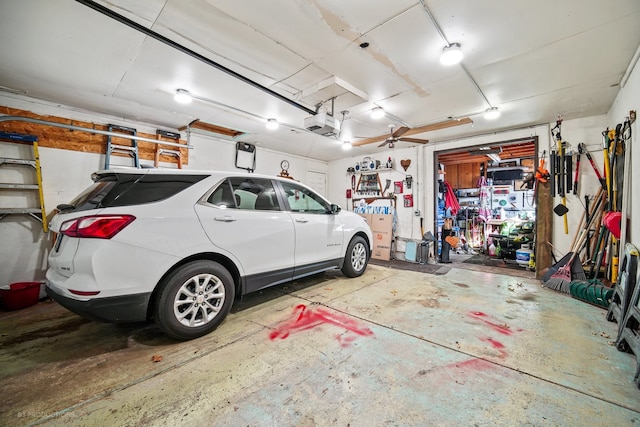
183 96
492 113
346 145
377 113
272 124
451 54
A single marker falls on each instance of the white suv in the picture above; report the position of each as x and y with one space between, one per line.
178 246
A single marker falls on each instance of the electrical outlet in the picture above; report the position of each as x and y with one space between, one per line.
416 212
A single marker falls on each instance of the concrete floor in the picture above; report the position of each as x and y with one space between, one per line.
465 347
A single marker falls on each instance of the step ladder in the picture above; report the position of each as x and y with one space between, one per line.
130 150
39 213
173 152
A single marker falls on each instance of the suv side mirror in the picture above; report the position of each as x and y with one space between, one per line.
335 209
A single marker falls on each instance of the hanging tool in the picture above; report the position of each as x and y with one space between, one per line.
614 137
587 218
561 209
582 149
541 175
575 178
568 166
552 172
606 140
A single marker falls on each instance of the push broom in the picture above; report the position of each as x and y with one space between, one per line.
561 279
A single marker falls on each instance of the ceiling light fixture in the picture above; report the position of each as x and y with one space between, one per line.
183 96
451 54
346 145
452 47
492 113
377 113
272 124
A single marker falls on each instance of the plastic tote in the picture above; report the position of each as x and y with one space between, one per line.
20 295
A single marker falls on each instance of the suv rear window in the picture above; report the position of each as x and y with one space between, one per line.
132 189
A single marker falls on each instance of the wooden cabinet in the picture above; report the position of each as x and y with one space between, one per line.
463 175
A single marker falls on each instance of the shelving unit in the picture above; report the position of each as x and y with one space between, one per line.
369 187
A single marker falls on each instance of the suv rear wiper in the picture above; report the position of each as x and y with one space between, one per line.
65 207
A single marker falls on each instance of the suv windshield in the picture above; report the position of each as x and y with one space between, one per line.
131 189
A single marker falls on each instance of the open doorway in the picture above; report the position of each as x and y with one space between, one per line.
486 207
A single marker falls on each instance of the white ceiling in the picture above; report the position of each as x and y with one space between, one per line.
532 60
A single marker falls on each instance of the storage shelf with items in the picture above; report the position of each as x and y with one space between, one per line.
369 188
369 185
469 197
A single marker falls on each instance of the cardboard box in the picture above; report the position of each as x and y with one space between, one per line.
381 252
380 238
367 217
381 246
381 222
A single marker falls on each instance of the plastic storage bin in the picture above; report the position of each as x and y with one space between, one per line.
20 295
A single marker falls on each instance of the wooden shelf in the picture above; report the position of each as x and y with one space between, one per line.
370 199
373 171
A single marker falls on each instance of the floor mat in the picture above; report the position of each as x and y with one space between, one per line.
436 269
482 259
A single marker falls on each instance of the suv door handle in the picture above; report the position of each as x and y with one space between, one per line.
225 218
302 220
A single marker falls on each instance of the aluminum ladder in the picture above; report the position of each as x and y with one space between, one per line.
39 212
130 150
173 152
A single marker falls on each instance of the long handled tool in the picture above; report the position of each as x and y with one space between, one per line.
606 140
575 179
568 164
569 262
552 172
582 149
561 280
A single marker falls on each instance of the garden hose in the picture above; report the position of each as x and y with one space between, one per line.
591 291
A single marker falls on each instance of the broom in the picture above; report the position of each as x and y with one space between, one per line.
561 279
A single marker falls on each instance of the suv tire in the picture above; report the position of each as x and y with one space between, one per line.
194 299
356 258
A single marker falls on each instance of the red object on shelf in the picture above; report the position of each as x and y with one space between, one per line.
20 295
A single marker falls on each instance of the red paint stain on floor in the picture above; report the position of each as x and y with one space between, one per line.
497 345
503 328
475 364
305 318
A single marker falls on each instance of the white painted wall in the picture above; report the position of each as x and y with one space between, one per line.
24 247
629 99
408 224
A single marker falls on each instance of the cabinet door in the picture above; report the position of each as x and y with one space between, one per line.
451 176
466 174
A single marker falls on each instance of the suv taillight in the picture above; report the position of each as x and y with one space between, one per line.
96 226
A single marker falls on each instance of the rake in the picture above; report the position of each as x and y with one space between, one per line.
561 279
